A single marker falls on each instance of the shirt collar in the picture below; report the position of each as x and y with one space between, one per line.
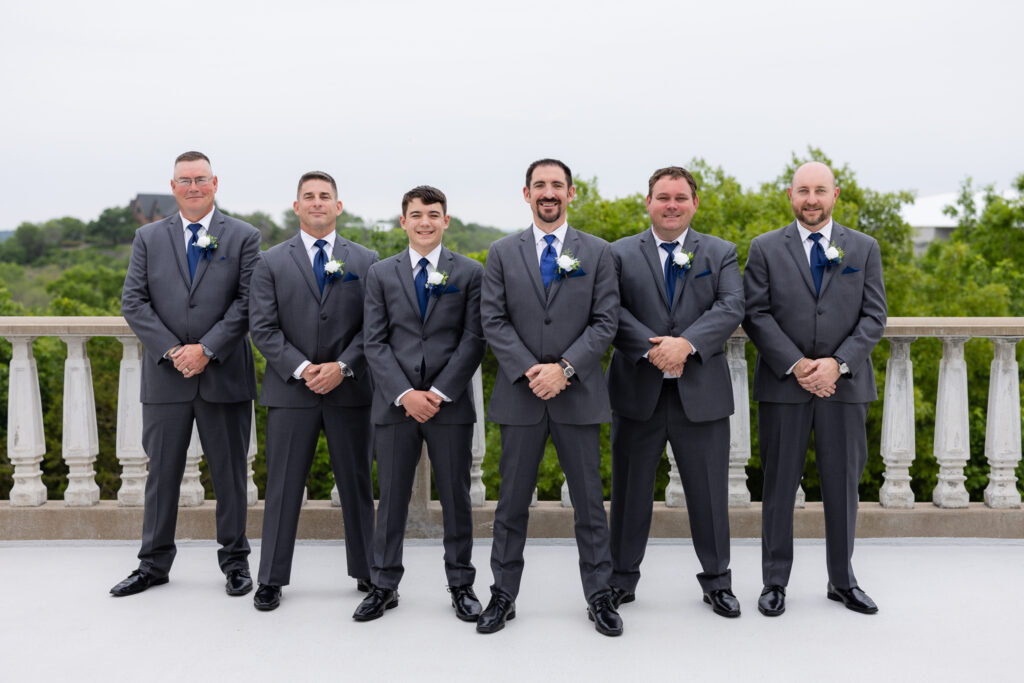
204 221
434 257
681 239
310 241
826 232
559 233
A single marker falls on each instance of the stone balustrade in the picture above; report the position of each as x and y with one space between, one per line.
26 444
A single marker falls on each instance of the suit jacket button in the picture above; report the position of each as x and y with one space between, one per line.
416 369
424 337
547 321
192 305
821 311
323 317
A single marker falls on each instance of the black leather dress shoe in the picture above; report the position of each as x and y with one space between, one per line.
363 585
373 605
500 609
620 596
723 603
239 582
602 612
136 582
464 600
854 598
772 602
267 597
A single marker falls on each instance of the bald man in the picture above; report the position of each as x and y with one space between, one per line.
815 309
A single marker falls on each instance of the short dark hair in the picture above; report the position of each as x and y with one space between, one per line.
192 156
548 162
671 172
426 194
317 175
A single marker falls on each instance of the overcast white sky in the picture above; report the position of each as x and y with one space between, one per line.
97 98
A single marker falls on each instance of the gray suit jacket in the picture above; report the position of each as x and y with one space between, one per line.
442 350
575 319
164 309
708 307
786 321
292 322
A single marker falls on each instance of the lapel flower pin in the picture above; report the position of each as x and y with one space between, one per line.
436 282
334 269
683 261
833 255
206 244
567 263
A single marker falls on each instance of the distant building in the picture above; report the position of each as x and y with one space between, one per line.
147 208
929 222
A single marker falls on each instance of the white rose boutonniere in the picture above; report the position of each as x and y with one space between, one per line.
833 255
206 244
682 261
334 269
436 282
567 263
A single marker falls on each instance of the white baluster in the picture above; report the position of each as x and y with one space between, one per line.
79 441
898 427
252 494
192 493
477 490
739 424
801 498
674 495
952 438
130 454
1002 430
566 498
26 444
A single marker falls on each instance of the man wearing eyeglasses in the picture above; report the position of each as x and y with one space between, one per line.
186 297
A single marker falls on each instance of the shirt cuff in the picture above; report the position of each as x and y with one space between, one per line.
398 401
441 394
298 371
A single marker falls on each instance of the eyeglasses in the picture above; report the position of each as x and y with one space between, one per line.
201 181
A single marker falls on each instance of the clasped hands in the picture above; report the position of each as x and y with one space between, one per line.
421 405
323 377
547 380
669 354
189 359
817 376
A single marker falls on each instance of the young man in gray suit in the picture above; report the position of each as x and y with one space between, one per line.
306 312
423 344
815 310
681 298
550 306
186 297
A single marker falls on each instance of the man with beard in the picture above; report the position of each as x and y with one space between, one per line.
549 309
815 310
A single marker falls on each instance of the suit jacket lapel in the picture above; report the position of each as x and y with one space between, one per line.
571 245
649 248
796 250
176 233
445 263
216 229
690 244
338 253
528 252
301 258
839 237
403 271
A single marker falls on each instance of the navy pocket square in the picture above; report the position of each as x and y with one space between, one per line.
349 277
706 272
850 269
576 273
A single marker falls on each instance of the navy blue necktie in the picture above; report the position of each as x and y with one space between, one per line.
670 272
192 253
817 261
421 287
320 264
548 261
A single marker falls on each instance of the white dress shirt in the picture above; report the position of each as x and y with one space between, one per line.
542 244
204 221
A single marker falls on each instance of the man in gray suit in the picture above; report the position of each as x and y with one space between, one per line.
681 298
423 344
815 310
550 307
186 297
306 313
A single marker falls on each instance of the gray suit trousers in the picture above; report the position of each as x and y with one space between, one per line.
224 430
292 434
841 451
450 448
522 449
702 455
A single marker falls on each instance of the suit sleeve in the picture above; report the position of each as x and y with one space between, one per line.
774 345
267 335
454 378
137 307
514 358
597 336
709 332
387 373
224 337
857 347
354 355
632 337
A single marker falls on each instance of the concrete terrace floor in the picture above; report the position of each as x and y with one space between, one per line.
950 610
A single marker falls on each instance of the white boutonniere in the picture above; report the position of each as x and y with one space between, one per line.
567 263
833 255
436 282
334 269
206 244
683 261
